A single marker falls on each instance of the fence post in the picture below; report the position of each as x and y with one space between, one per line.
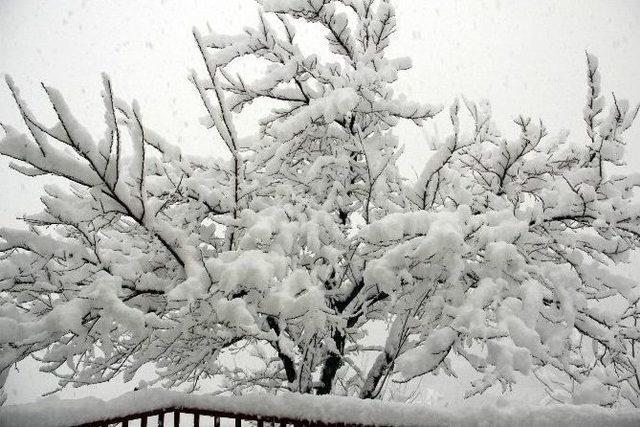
161 419
176 418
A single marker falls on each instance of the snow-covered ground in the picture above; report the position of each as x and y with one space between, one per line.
54 412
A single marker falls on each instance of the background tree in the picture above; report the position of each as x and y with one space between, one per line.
307 238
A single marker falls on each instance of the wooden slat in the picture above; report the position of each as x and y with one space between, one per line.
176 418
238 422
161 419
196 420
143 421
216 421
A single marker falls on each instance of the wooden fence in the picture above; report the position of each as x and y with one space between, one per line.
214 419
166 408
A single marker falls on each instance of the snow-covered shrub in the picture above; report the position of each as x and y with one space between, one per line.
503 252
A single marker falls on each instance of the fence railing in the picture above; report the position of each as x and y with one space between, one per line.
206 418
166 408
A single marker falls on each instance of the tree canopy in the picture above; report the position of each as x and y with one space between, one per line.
307 237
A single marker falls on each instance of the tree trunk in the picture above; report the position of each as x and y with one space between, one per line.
287 361
3 379
331 365
380 367
385 360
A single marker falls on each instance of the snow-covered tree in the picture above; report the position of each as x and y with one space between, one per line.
286 254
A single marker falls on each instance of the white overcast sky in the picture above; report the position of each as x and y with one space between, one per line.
526 57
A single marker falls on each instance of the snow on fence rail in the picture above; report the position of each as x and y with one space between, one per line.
144 406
